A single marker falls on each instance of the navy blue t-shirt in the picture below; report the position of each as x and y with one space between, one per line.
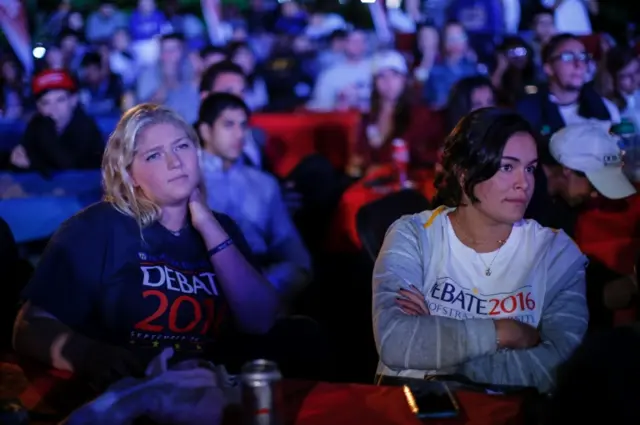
105 280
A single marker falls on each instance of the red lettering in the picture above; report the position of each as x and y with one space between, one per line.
173 314
172 320
145 324
494 310
531 303
514 304
209 315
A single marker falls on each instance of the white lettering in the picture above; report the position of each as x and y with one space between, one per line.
154 280
197 283
170 279
212 282
185 288
157 276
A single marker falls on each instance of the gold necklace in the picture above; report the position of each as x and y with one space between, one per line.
487 268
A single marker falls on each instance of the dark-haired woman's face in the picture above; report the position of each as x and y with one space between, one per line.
505 196
482 97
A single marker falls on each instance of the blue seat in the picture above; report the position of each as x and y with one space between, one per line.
11 134
107 124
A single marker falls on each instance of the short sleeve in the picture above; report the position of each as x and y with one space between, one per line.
66 281
236 235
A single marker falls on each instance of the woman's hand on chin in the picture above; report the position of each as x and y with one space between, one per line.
201 215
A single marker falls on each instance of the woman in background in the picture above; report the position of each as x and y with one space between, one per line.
394 115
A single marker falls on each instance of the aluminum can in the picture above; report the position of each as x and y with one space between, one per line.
261 384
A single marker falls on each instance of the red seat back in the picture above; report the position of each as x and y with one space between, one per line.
293 136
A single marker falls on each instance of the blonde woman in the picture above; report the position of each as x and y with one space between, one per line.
151 266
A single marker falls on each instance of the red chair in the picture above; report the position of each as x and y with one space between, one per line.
293 136
592 44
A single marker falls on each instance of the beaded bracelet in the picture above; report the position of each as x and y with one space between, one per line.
221 246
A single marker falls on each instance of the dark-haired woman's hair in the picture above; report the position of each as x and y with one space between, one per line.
618 58
474 150
459 103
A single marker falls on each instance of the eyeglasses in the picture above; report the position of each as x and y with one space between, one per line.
517 52
572 57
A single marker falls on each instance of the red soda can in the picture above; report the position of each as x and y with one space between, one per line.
400 156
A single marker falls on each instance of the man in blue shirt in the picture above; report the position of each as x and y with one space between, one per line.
250 196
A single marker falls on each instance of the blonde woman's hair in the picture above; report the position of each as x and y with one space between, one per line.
119 155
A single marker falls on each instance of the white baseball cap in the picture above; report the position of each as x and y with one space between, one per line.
389 59
588 147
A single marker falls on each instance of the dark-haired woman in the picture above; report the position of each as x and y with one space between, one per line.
471 288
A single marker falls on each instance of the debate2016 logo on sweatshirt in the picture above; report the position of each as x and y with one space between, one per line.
180 301
448 298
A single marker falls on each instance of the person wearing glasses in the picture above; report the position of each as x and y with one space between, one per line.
566 99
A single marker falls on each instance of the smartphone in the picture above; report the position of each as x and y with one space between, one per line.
427 399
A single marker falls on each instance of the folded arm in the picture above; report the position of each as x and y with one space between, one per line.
562 327
418 342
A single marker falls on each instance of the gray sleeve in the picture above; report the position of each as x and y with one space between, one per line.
562 326
418 342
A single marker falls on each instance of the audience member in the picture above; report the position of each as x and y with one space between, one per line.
60 136
515 73
466 96
623 70
121 58
567 99
260 211
472 288
72 49
100 90
334 53
104 22
427 43
145 25
346 84
212 55
544 29
255 95
584 162
227 77
170 83
394 115
112 289
454 64
484 20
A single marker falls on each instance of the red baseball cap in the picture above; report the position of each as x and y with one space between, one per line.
52 79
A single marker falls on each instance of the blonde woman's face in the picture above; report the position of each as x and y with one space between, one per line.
165 164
